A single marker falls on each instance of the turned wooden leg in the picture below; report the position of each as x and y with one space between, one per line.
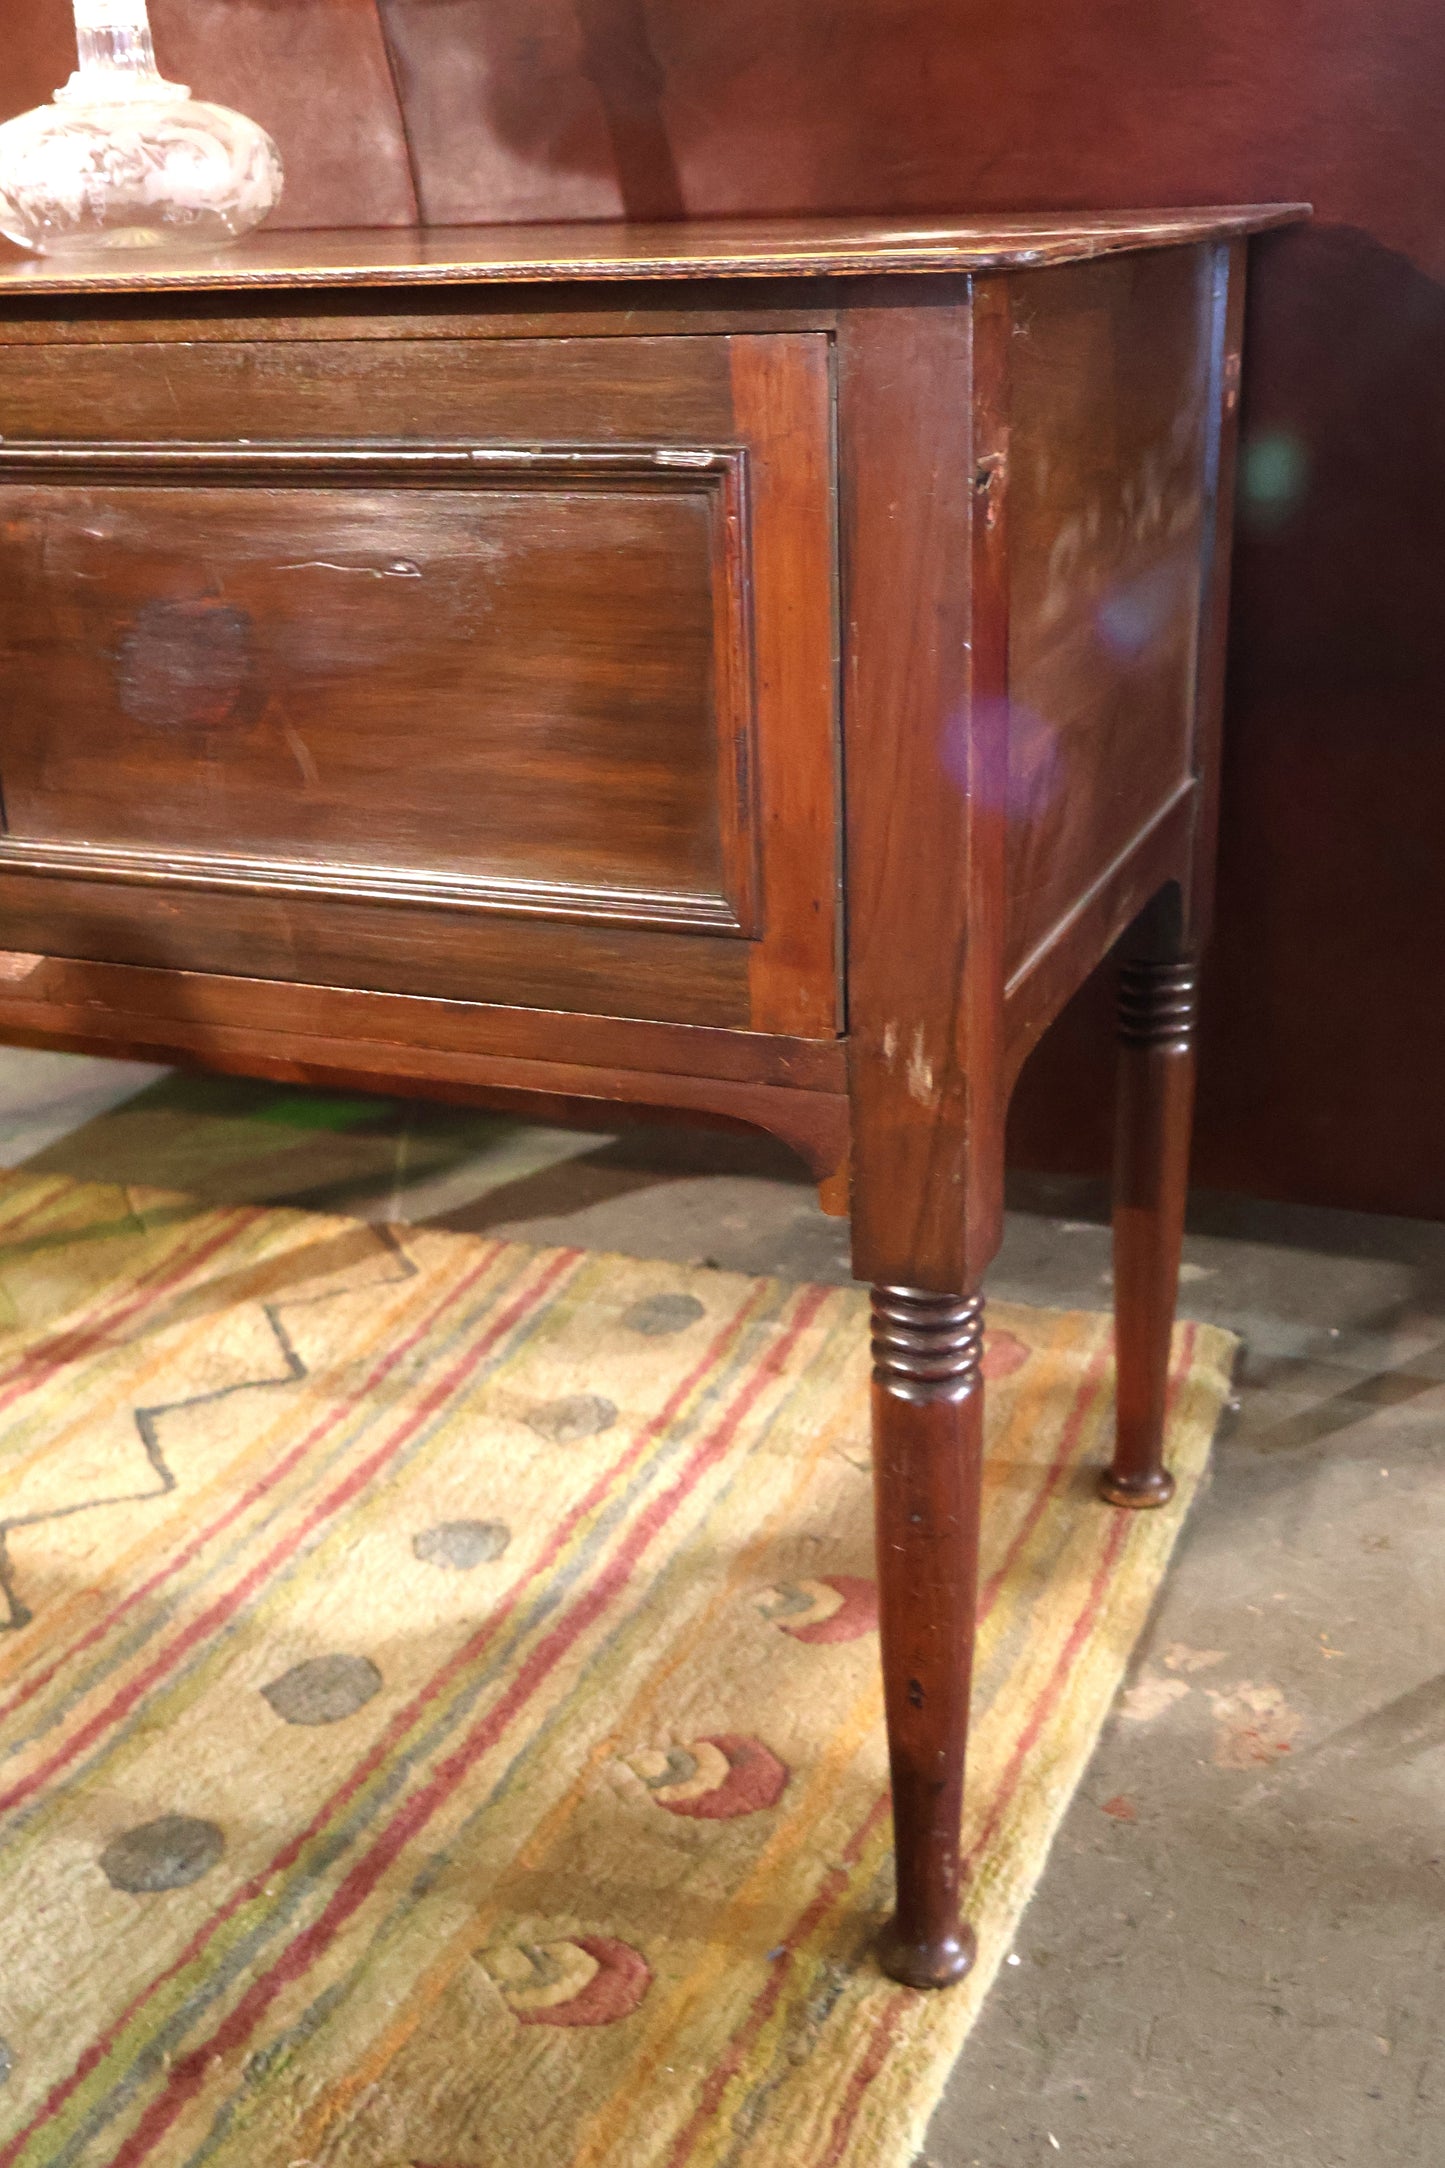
928 1453
1151 1182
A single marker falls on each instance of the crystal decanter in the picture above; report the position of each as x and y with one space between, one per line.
123 159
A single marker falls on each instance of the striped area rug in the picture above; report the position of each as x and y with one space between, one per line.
439 1713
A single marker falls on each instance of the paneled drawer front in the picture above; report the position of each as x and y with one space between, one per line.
388 669
430 665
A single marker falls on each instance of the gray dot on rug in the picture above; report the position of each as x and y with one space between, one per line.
324 1690
657 1315
7 2061
170 1853
461 1545
580 1415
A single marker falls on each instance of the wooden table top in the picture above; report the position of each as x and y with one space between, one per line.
684 249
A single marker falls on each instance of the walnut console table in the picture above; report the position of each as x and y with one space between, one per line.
757 670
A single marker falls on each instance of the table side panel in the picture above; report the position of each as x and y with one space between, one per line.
1109 510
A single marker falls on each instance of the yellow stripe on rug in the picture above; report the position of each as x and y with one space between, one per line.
440 1722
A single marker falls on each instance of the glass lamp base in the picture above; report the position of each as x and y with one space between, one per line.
134 172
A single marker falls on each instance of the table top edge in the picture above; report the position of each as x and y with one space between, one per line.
608 253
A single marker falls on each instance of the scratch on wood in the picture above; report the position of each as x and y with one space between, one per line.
920 1073
302 754
403 569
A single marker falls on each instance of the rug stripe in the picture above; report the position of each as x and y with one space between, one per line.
440 1974
406 1718
1099 1371
835 1886
18 1211
1121 1529
818 1914
660 1425
870 2065
591 1684
811 2058
188 2075
48 1357
563 1543
836 1889
871 2062
264 1447
286 1857
252 1495
78 1345
227 1606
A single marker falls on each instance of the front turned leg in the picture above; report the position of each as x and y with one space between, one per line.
927 1458
1151 1184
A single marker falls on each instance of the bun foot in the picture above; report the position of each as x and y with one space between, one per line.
915 1963
1141 1492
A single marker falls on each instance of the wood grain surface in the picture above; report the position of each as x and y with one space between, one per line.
684 249
499 669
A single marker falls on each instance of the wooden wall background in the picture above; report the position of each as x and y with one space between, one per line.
1324 1074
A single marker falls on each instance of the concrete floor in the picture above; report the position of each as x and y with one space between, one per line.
1237 1954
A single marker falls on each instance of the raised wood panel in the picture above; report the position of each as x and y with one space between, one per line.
1108 510
523 685
349 698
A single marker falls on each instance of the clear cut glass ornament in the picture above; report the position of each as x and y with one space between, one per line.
123 159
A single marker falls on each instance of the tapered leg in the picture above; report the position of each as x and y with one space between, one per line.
1151 1182
928 1452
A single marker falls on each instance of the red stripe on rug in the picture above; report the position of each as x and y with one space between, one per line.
869 2066
1004 1797
395 1730
43 1360
57 1187
1079 1633
182 1558
189 2073
225 1607
763 2005
835 1884
1095 1371
875 2055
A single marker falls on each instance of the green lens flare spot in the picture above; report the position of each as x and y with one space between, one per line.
1274 477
